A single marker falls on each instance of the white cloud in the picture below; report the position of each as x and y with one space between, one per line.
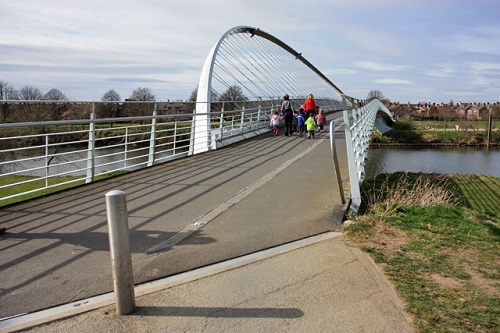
374 66
391 81
80 46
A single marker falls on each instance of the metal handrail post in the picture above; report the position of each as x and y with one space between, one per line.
175 138
46 161
152 140
258 118
242 122
91 148
221 125
126 147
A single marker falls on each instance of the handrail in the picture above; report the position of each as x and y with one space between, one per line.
359 125
82 150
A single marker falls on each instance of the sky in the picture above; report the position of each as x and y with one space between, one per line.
410 50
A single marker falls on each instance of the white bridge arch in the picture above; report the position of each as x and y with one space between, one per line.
264 66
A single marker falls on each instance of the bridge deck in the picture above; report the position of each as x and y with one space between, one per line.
252 195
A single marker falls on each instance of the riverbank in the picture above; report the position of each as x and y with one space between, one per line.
427 144
436 238
435 138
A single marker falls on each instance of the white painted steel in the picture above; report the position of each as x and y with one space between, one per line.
89 148
335 159
258 67
359 127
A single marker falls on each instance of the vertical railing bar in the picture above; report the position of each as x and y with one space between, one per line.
152 138
126 147
46 161
242 122
91 148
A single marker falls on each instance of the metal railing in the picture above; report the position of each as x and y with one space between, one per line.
359 125
37 156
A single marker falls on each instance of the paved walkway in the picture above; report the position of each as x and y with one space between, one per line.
223 208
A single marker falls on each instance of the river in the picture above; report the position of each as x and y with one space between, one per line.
442 160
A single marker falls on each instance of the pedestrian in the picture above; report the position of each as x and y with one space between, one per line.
287 111
310 106
311 126
301 121
275 122
320 120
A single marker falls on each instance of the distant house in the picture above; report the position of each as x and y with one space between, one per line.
400 111
447 111
477 112
462 110
165 108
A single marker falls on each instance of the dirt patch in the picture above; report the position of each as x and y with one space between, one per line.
383 237
446 281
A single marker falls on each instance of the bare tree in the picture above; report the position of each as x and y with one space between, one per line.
30 93
109 110
140 109
194 95
376 94
7 92
111 96
232 96
142 94
55 95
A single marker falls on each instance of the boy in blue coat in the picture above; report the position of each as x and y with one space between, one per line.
301 122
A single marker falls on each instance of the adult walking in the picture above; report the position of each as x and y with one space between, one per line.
310 106
287 110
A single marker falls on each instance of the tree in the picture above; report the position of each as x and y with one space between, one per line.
111 96
433 111
142 94
140 109
194 95
375 94
30 93
7 92
233 94
108 110
56 110
55 95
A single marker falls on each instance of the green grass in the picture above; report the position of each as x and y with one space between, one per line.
443 258
39 183
407 131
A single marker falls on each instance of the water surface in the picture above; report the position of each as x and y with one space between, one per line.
459 160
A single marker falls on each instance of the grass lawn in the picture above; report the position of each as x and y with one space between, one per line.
440 249
39 184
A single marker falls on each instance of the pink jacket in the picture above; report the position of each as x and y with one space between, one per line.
320 118
275 120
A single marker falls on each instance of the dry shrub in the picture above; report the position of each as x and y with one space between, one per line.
430 138
420 190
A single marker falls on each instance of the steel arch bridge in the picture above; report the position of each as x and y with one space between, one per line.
264 68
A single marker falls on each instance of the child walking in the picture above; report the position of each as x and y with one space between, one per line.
301 121
321 120
275 122
311 126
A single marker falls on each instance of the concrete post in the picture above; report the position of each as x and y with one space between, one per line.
121 260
